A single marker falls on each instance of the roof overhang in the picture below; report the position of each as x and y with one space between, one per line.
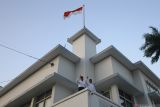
41 87
112 51
140 65
118 80
155 96
57 51
80 33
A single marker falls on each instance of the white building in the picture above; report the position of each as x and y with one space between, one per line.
118 81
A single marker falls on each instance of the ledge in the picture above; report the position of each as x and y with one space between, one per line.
36 90
58 50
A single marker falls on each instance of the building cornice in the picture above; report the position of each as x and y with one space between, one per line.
121 82
112 51
46 85
57 51
141 66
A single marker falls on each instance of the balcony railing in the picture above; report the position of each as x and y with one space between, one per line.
85 98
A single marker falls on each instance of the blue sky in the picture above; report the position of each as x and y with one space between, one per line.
36 26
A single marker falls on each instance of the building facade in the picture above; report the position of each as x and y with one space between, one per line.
51 81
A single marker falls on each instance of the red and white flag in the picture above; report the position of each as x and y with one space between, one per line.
68 13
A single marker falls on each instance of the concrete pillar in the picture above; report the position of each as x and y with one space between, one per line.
115 94
33 102
53 94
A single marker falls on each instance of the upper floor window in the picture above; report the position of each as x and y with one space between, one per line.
126 99
26 105
44 100
151 87
106 93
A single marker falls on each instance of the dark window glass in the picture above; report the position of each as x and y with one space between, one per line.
126 99
26 105
128 104
44 99
121 93
122 100
106 93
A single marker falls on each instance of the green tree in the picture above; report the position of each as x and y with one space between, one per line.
151 47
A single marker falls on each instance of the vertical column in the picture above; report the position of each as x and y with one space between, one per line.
53 94
115 94
33 102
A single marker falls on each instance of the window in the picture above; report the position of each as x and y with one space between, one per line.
106 93
26 105
126 99
44 100
151 88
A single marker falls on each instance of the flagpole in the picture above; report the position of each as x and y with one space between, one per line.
84 16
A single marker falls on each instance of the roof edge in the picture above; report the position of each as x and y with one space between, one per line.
80 33
140 65
58 50
112 51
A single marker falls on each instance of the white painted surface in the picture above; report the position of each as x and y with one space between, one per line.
97 100
29 82
103 69
137 80
90 51
85 99
78 100
85 48
60 92
122 70
146 99
67 69
115 94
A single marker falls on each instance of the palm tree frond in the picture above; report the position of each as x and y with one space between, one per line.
154 31
151 47
156 57
149 51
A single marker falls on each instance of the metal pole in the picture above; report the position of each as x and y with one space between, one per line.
84 16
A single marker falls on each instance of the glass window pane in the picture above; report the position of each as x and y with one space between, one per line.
26 105
122 101
48 102
129 104
40 104
121 93
128 97
48 93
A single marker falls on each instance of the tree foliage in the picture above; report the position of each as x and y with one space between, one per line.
151 47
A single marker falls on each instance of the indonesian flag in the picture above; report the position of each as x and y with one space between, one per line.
68 13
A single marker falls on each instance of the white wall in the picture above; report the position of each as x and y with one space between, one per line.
29 82
67 69
79 49
138 81
144 78
85 48
78 100
122 70
90 51
148 79
103 69
60 92
98 100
